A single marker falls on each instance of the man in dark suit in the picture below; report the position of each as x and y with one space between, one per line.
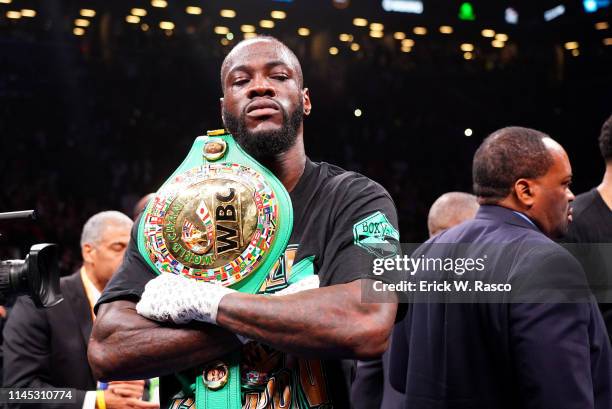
46 348
503 353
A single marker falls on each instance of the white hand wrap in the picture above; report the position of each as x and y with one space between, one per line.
170 297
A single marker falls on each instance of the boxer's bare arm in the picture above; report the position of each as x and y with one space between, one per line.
328 322
124 345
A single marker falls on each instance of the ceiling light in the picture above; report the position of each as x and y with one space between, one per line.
303 31
501 37
468 56
194 10
420 31
446 29
13 14
377 34
487 32
28 13
498 44
360 22
266 23
602 25
277 14
221 30
467 47
355 47
159 3
399 35
132 19
247 28
249 35
78 31
407 42
227 13
166 25
139 12
88 13
81 22
346 38
571 45
333 50
377 27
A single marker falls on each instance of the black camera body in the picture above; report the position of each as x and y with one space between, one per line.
36 276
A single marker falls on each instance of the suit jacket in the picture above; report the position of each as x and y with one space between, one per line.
46 348
504 355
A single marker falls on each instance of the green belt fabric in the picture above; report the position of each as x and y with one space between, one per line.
229 396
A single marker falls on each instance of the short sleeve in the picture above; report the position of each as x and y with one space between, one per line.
364 227
130 279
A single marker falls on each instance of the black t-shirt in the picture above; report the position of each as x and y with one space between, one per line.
337 217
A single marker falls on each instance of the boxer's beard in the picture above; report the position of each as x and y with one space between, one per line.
265 145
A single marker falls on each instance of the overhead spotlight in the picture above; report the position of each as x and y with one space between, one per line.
360 22
468 55
602 25
303 31
224 41
357 112
194 10
355 47
133 19
511 16
139 12
488 33
345 38
377 34
468 132
5 1
278 14
13 15
168 33
340 4
403 6
377 27
28 13
466 12
88 13
333 50
467 47
501 37
144 27
571 45
78 31
555 12
575 52
249 35
166 25
406 49
81 22
421 31
229 36
227 13
607 41
399 35
266 23
498 44
407 42
159 3
247 28
446 29
221 30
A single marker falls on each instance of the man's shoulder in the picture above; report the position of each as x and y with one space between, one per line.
338 180
584 201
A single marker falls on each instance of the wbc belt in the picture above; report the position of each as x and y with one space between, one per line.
221 217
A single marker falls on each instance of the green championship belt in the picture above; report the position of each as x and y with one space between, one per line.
221 217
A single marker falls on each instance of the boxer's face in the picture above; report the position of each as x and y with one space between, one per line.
552 194
263 104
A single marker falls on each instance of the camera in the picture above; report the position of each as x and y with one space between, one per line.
37 275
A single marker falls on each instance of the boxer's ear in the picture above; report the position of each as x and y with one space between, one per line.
306 101
221 108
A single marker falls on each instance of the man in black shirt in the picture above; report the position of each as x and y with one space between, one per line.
592 223
300 338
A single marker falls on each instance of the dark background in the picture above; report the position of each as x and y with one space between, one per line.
93 122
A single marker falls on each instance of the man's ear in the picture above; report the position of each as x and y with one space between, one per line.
221 108
87 251
306 101
525 190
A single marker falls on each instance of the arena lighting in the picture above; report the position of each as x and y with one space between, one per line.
194 10
168 33
421 31
249 35
78 31
498 44
607 41
468 55
466 12
487 32
144 27
591 6
555 12
28 13
377 34
224 41
571 45
5 1
467 47
159 3
227 13
266 23
303 31
247 28
139 12
360 22
511 16
13 14
81 22
221 30
399 35
133 19
403 6
88 13
576 52
166 25
345 38
355 47
468 132
376 27
357 112
406 49
333 50
278 15
341 4
501 37
229 36
407 43
602 25
446 29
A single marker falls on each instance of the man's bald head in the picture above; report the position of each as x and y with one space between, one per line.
250 46
449 210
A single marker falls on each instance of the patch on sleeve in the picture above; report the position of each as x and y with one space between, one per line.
376 235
